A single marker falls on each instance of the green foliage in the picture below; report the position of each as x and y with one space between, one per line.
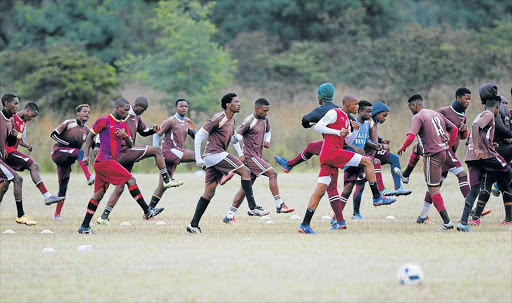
58 76
185 63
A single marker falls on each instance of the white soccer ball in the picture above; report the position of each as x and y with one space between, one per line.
410 274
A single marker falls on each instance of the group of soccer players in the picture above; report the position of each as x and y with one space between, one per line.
350 141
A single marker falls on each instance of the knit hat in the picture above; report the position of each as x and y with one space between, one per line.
325 92
379 107
488 91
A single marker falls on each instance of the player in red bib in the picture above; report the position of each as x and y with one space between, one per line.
112 131
335 127
18 160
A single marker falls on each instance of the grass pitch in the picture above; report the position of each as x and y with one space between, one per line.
250 261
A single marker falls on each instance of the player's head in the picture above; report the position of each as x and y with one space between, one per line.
504 104
140 105
121 108
325 93
82 112
463 96
415 103
30 112
488 91
365 110
493 105
230 102
182 107
10 103
380 112
350 103
261 108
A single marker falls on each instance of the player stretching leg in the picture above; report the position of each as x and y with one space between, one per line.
431 128
10 105
325 94
18 160
69 136
485 165
174 130
255 132
218 130
112 131
335 127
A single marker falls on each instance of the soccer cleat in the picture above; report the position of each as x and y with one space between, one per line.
333 220
357 217
306 229
463 227
506 223
173 183
53 199
193 230
474 222
26 220
91 179
57 218
339 225
229 220
388 192
447 226
284 209
258 211
284 163
226 178
398 171
383 200
152 213
425 221
485 212
85 230
402 192
494 189
101 221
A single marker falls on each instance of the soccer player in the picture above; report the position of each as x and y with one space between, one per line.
484 163
112 131
129 155
335 127
69 137
255 132
18 160
431 128
325 93
455 113
218 130
174 130
10 104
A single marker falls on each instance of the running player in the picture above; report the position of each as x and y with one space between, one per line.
335 127
218 130
484 163
455 113
18 160
69 137
10 105
174 130
112 131
325 93
256 133
431 128
129 155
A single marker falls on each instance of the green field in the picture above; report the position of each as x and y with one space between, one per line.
250 261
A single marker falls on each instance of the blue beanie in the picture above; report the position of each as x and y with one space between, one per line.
325 92
379 107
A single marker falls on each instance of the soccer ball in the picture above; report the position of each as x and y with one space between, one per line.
410 274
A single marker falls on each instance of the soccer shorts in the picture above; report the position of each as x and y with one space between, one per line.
257 166
432 168
214 173
6 172
172 158
335 159
109 172
452 164
353 174
128 156
64 157
18 160
478 168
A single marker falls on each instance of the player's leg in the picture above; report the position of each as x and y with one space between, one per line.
63 174
211 179
504 185
281 207
378 198
85 169
112 201
4 187
413 160
237 201
394 161
100 188
137 196
156 152
8 175
433 171
358 194
324 179
311 149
